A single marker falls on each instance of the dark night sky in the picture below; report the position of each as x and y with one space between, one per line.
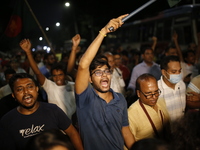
48 12
51 11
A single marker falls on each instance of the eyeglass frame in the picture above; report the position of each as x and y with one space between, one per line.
159 92
102 72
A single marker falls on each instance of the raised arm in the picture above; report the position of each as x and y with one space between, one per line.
74 137
72 58
175 39
83 73
26 46
154 43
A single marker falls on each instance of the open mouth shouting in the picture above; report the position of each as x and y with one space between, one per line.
104 83
27 99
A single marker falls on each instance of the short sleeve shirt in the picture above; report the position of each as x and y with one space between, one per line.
101 123
20 128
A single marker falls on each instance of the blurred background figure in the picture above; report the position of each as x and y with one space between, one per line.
151 144
117 81
186 132
50 140
5 90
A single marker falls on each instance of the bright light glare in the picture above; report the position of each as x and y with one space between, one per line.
47 28
58 24
40 38
67 4
48 49
33 49
45 47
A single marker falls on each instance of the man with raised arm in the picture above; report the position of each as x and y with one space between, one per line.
102 113
59 91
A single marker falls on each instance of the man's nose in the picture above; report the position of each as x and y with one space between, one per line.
25 90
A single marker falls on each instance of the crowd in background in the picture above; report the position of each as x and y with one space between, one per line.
126 66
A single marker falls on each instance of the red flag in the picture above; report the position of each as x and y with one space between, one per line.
21 25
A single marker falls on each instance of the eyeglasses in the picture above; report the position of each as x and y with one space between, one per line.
100 72
148 96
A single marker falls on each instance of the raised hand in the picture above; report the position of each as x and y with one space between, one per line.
175 36
76 40
192 96
115 23
25 44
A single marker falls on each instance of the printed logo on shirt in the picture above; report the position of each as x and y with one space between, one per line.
33 130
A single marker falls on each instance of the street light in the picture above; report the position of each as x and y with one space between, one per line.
67 4
57 24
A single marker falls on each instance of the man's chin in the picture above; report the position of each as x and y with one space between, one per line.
102 91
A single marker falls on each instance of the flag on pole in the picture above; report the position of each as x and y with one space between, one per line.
173 2
21 25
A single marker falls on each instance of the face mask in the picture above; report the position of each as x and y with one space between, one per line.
174 78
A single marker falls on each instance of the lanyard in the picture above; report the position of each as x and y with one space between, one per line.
152 124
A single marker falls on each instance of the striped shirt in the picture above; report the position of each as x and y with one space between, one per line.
175 99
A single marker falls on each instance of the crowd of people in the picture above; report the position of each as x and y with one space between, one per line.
101 99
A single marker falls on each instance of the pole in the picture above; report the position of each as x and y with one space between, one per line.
134 12
46 38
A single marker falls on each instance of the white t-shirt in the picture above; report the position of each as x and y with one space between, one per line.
5 90
62 96
117 81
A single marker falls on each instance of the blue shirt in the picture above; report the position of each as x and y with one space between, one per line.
45 71
142 68
100 122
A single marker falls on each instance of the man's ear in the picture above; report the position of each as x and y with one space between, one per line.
13 95
90 79
37 88
138 93
142 56
163 72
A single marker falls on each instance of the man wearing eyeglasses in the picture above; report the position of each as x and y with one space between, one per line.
102 113
148 116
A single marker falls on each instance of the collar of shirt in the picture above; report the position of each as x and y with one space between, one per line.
115 96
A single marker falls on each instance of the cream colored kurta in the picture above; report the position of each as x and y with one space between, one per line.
139 123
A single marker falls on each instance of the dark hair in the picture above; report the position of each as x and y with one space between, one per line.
150 144
124 53
58 66
169 47
117 53
47 55
20 76
186 132
166 60
65 54
146 77
35 54
9 71
98 61
102 56
49 139
143 49
185 53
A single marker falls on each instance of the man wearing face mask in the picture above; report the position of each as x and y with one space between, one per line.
172 87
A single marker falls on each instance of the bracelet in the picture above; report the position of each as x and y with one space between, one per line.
102 34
